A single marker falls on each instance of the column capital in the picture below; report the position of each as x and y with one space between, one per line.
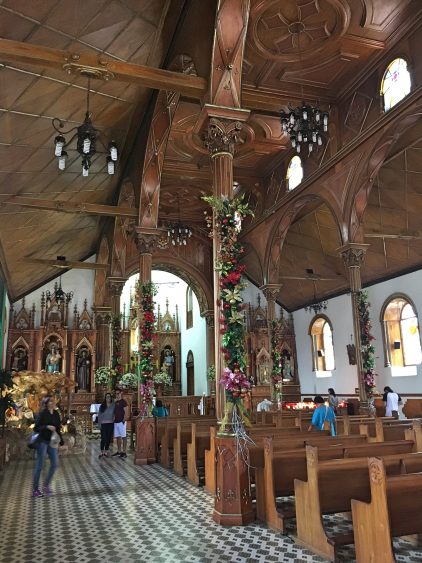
116 285
209 317
271 290
102 315
146 240
222 136
353 254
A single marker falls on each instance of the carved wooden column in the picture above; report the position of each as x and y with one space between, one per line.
145 426
209 318
103 343
271 291
353 255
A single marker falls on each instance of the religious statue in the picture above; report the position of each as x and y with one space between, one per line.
83 368
168 362
52 362
20 360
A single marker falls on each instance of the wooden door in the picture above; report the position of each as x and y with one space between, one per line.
190 374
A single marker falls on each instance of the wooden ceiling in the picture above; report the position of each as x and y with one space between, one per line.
341 40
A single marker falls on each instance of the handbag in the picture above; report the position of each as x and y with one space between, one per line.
34 440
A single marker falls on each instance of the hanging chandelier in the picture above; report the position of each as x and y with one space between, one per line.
87 138
316 306
178 233
58 295
305 126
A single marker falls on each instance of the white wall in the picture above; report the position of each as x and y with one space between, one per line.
344 379
81 282
173 288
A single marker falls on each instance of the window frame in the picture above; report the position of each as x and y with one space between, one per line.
316 367
387 344
381 89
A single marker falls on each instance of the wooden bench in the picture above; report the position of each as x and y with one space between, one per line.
394 509
196 451
168 434
332 484
184 437
380 430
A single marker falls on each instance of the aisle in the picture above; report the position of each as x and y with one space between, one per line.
111 511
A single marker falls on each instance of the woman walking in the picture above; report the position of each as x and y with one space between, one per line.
47 425
333 399
106 420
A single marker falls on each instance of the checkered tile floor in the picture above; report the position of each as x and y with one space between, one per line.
112 511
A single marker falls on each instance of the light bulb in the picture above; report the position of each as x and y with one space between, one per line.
184 242
292 119
173 243
298 148
313 137
113 152
319 140
87 145
310 147
299 137
84 171
59 142
62 160
293 139
317 116
110 166
305 114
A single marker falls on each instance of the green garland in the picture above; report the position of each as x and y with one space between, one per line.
147 293
116 358
366 339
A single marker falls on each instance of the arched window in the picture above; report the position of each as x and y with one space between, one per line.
189 308
322 344
294 173
401 333
395 83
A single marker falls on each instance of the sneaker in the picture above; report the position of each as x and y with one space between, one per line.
47 491
123 455
116 454
37 493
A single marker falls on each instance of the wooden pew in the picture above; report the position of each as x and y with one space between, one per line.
196 449
184 437
330 487
169 432
394 509
210 476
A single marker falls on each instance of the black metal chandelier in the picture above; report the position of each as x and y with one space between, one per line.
178 233
305 125
316 306
87 137
58 295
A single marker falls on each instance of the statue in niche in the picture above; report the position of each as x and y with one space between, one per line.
263 374
20 359
168 361
83 369
53 360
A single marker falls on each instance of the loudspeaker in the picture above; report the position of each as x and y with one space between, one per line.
397 345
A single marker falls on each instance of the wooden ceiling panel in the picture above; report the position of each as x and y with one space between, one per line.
414 182
127 45
14 27
73 18
36 9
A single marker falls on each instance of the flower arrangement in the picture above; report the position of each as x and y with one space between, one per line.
162 378
366 339
128 380
277 356
211 373
104 375
116 332
227 219
147 293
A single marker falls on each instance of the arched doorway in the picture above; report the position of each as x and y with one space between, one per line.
190 374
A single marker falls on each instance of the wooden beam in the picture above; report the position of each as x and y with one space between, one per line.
72 207
66 264
149 77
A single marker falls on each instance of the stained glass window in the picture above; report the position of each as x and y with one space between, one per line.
395 84
294 173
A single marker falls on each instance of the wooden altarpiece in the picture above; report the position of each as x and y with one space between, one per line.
168 347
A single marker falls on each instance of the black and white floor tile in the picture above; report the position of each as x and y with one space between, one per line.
112 511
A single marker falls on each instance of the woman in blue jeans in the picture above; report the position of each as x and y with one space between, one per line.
47 425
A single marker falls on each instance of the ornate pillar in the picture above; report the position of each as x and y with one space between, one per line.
103 343
271 292
209 318
353 255
221 138
146 239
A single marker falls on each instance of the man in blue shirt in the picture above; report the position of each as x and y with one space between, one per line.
323 413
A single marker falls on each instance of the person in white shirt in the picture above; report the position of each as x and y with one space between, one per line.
391 401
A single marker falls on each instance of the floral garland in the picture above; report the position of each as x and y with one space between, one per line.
277 356
366 339
116 332
228 215
146 365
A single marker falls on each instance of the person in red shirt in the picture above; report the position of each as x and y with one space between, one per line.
121 415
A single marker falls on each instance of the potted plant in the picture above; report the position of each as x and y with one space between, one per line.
129 381
103 376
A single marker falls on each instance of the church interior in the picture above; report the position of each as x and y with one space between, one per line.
217 206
